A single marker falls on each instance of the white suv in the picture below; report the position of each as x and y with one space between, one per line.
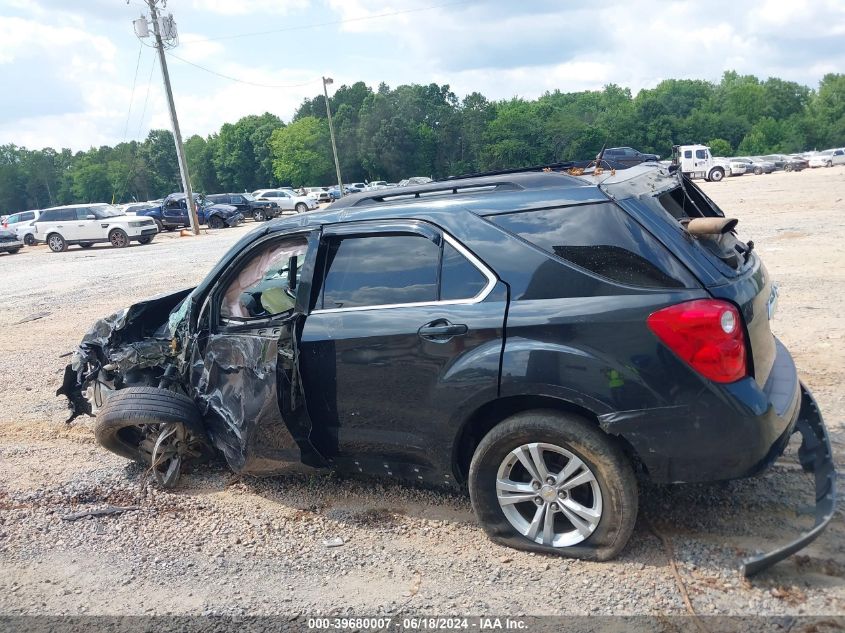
22 224
88 224
287 200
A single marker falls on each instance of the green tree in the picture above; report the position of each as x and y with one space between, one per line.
720 147
302 152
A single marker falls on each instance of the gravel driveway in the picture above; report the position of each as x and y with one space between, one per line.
311 543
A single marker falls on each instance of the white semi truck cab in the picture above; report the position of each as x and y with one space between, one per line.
696 161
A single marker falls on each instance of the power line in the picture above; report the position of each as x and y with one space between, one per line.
243 81
332 23
146 98
132 96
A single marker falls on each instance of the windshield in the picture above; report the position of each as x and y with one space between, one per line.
105 211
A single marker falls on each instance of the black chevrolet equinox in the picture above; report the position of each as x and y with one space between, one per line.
540 336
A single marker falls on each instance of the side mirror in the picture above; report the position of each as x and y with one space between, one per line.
90 216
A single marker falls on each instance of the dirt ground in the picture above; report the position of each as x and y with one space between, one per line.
224 545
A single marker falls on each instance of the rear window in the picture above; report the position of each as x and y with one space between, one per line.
600 238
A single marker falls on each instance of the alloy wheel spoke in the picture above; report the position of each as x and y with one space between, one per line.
582 526
539 461
572 466
507 485
549 526
537 522
584 477
527 462
588 514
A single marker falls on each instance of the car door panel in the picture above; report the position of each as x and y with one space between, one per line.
386 386
244 375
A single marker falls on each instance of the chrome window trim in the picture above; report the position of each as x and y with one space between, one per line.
481 296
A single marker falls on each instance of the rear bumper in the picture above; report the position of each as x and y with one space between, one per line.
724 432
815 456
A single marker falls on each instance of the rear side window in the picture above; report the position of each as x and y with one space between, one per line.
600 238
459 278
380 270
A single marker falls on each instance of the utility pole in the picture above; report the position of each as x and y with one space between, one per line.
326 81
177 134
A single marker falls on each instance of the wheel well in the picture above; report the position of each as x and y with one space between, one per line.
491 414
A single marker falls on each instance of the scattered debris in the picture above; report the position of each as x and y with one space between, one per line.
33 317
334 542
96 512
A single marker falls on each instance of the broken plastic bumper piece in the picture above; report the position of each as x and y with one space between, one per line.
815 456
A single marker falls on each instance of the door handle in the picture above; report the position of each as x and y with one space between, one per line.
441 330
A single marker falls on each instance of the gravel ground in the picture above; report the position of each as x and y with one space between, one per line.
225 545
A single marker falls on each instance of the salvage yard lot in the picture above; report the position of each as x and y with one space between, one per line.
227 545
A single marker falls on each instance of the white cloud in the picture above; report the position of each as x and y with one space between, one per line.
250 7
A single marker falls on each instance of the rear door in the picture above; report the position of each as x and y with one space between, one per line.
406 332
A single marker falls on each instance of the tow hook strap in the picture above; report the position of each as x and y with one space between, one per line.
815 456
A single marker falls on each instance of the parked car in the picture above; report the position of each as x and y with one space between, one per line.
732 167
320 194
89 224
288 201
22 224
9 242
627 156
376 185
173 213
828 158
355 187
247 205
786 163
415 180
133 207
756 166
10 221
534 336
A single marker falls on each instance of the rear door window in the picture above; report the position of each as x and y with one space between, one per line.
600 238
380 270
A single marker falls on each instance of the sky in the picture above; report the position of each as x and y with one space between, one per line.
70 79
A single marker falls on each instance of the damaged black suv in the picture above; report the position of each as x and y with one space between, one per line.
536 335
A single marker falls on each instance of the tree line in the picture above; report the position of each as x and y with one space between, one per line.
426 130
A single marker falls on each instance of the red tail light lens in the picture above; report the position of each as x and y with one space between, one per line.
707 334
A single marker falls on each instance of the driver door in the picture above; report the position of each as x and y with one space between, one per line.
249 383
175 213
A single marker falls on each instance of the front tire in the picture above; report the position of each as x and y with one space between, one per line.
717 174
119 238
159 225
145 240
215 223
56 243
551 482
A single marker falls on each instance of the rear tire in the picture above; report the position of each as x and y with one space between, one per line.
258 215
122 422
56 243
566 440
301 207
758 171
29 239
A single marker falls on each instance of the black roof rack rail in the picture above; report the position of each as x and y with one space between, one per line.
572 164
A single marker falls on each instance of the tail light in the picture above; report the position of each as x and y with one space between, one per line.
706 334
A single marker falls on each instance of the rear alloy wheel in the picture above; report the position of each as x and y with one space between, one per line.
29 239
56 243
551 482
301 207
215 222
145 240
258 215
717 174
119 238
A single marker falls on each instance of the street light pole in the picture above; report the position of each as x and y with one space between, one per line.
177 134
326 81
